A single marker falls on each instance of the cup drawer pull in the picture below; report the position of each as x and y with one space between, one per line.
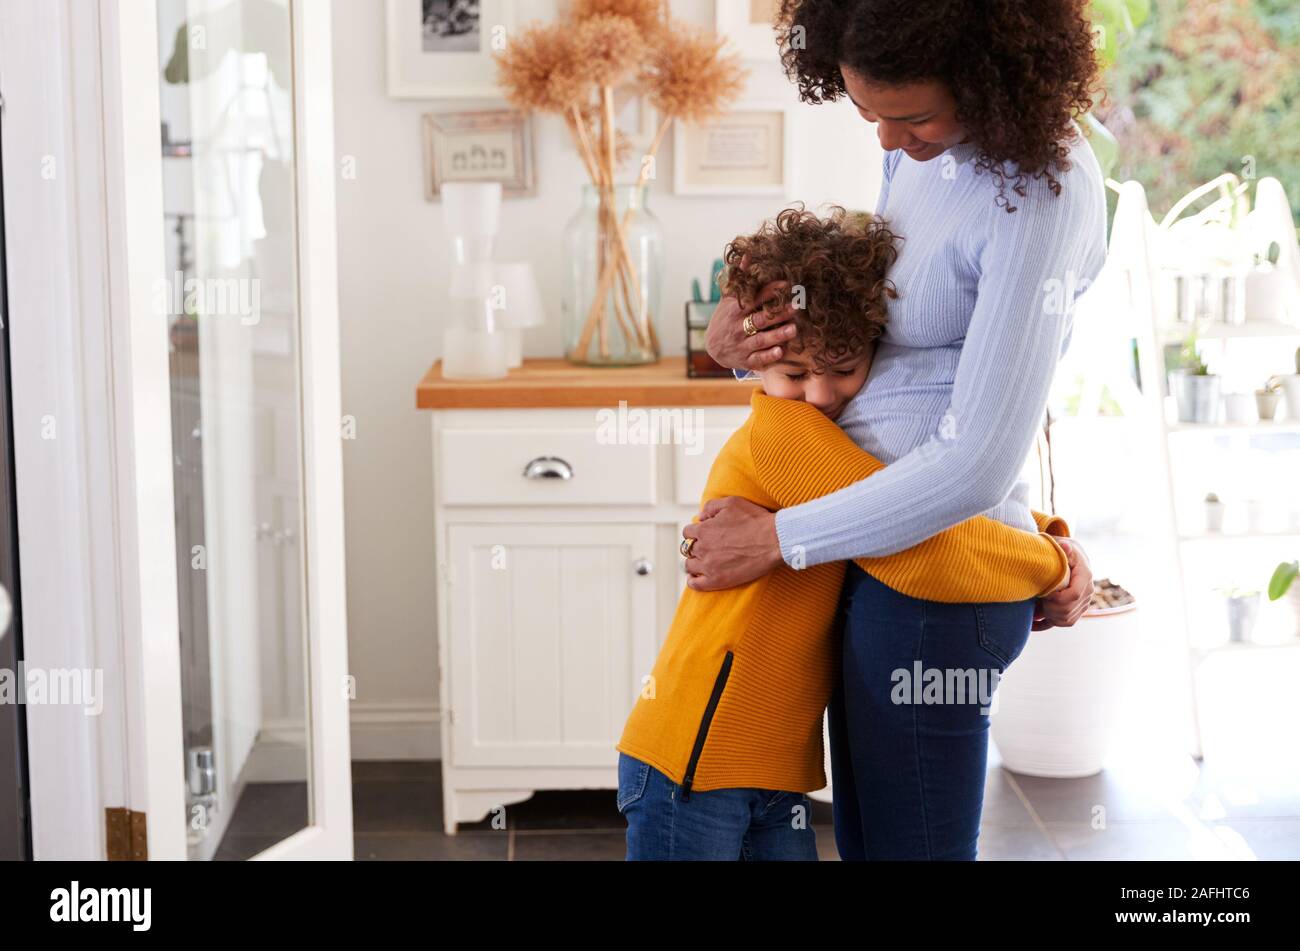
548 467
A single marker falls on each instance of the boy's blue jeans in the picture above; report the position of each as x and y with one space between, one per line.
726 825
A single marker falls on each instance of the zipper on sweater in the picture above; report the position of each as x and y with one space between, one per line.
718 686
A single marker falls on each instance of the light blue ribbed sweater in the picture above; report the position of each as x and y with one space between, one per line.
957 390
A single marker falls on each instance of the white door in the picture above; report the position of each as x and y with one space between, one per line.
551 628
245 297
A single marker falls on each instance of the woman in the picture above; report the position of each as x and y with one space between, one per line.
1001 209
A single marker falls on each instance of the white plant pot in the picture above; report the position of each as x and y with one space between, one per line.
1291 387
1239 408
1214 517
1266 404
1197 396
1243 612
1266 293
1054 710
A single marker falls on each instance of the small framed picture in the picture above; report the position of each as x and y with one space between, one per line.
749 25
745 152
488 146
443 48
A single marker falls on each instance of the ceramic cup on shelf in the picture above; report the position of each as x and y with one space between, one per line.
1239 408
1214 510
1243 611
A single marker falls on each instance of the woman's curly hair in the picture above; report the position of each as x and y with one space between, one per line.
1020 70
835 272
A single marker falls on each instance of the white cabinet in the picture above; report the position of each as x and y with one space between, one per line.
549 626
558 577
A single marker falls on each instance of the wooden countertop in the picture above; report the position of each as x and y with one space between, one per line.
557 383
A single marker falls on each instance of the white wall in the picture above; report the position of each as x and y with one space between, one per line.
392 264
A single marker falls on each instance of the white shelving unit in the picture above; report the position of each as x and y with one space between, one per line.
1137 261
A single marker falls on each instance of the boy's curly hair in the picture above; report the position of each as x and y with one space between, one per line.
1020 70
835 268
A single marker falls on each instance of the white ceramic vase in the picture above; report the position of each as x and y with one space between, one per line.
1054 712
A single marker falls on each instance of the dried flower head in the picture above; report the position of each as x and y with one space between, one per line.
607 48
648 15
536 70
688 76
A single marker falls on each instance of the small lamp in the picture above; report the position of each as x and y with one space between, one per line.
518 305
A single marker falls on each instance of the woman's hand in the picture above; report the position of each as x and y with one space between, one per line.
735 543
1062 608
727 342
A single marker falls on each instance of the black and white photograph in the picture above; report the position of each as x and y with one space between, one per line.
450 26
444 48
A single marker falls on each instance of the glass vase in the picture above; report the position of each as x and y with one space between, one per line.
613 254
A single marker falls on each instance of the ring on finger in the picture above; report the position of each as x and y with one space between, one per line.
750 329
686 546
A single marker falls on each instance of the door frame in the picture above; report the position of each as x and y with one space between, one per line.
95 504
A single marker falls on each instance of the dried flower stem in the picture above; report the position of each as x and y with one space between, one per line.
618 263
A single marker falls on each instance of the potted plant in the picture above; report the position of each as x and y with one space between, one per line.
1243 611
1195 388
1282 582
1290 383
1213 513
1266 399
1055 709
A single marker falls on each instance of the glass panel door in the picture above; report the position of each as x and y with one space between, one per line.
15 836
233 322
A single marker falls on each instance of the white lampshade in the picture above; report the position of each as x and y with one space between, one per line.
471 209
515 295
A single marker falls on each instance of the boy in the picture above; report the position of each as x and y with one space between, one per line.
726 737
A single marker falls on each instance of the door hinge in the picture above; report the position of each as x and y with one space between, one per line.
127 837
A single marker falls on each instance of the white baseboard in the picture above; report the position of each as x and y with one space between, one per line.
395 730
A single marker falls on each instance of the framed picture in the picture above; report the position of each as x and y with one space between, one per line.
443 48
490 146
748 24
745 152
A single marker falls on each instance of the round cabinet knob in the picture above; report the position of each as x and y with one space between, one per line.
642 567
548 467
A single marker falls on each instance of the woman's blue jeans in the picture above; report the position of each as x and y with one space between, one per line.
721 825
909 719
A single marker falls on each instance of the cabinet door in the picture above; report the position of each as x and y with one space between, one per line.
550 625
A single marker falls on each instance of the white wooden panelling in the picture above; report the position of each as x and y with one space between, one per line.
692 462
545 624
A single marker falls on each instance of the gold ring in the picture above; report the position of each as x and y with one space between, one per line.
686 546
750 329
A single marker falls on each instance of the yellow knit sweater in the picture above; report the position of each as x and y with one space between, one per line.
737 693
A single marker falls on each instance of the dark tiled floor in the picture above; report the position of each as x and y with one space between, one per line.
265 814
397 814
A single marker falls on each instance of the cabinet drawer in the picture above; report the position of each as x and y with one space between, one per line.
489 466
691 464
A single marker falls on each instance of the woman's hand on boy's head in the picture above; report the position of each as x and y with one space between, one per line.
727 342
735 543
